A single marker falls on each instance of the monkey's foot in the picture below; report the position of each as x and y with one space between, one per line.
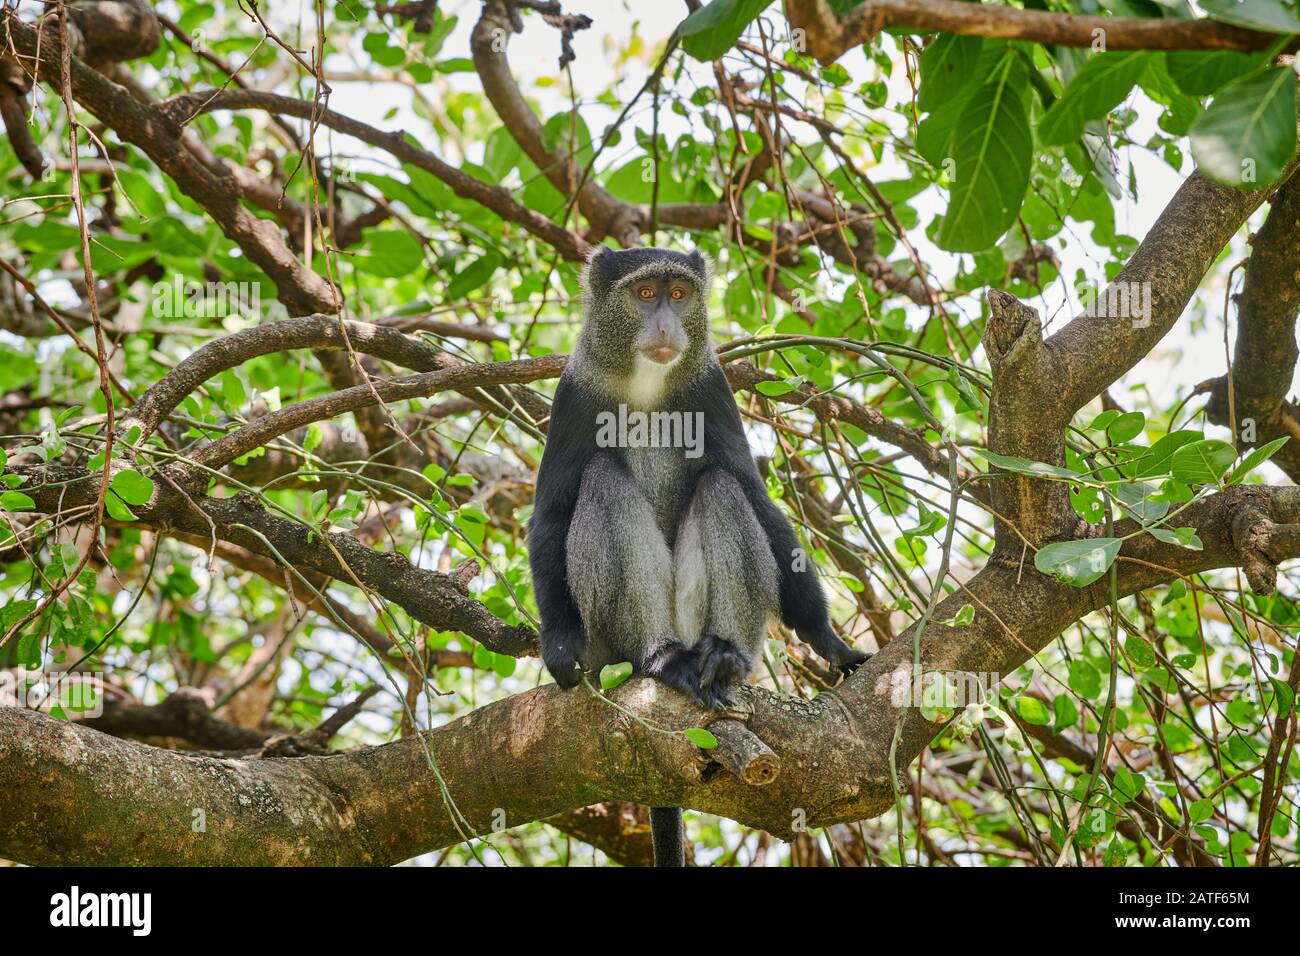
677 666
722 666
560 655
851 661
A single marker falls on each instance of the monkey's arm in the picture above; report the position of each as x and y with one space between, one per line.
802 602
570 444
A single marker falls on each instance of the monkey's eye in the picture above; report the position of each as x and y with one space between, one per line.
678 293
646 292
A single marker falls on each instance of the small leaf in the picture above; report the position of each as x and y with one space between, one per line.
1126 427
1033 711
116 509
774 389
611 675
135 488
961 618
1023 466
1129 784
701 738
1183 537
16 501
1078 562
1256 458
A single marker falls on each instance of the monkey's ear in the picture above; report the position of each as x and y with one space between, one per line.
703 264
590 277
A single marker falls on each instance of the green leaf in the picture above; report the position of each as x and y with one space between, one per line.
713 29
1126 427
701 738
1033 711
1129 784
992 150
1201 811
1084 679
1202 462
1156 460
1256 458
1248 134
774 389
1267 15
1036 469
232 390
1139 651
1065 713
1104 419
1183 537
961 618
967 400
388 252
1201 72
135 488
474 276
16 501
1139 500
1102 83
946 66
611 675
1078 562
116 509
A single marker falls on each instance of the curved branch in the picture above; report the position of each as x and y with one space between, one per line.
183 107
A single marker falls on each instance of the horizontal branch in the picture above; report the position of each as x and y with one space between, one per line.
74 796
433 598
829 36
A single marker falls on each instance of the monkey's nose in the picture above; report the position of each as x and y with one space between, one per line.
662 353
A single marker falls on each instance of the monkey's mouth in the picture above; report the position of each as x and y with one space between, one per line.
663 354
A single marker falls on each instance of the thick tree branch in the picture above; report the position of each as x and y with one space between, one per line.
70 795
1265 354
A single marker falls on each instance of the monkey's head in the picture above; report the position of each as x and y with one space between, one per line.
645 307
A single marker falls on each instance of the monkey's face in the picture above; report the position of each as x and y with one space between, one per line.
646 306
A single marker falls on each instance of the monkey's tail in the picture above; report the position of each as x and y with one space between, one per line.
666 833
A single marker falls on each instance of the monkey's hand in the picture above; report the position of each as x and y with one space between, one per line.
561 651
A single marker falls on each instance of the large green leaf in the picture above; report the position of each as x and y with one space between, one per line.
1201 72
1247 135
1078 562
946 66
713 29
1267 15
1099 87
992 151
1202 462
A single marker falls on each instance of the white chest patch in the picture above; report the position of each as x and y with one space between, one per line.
646 386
